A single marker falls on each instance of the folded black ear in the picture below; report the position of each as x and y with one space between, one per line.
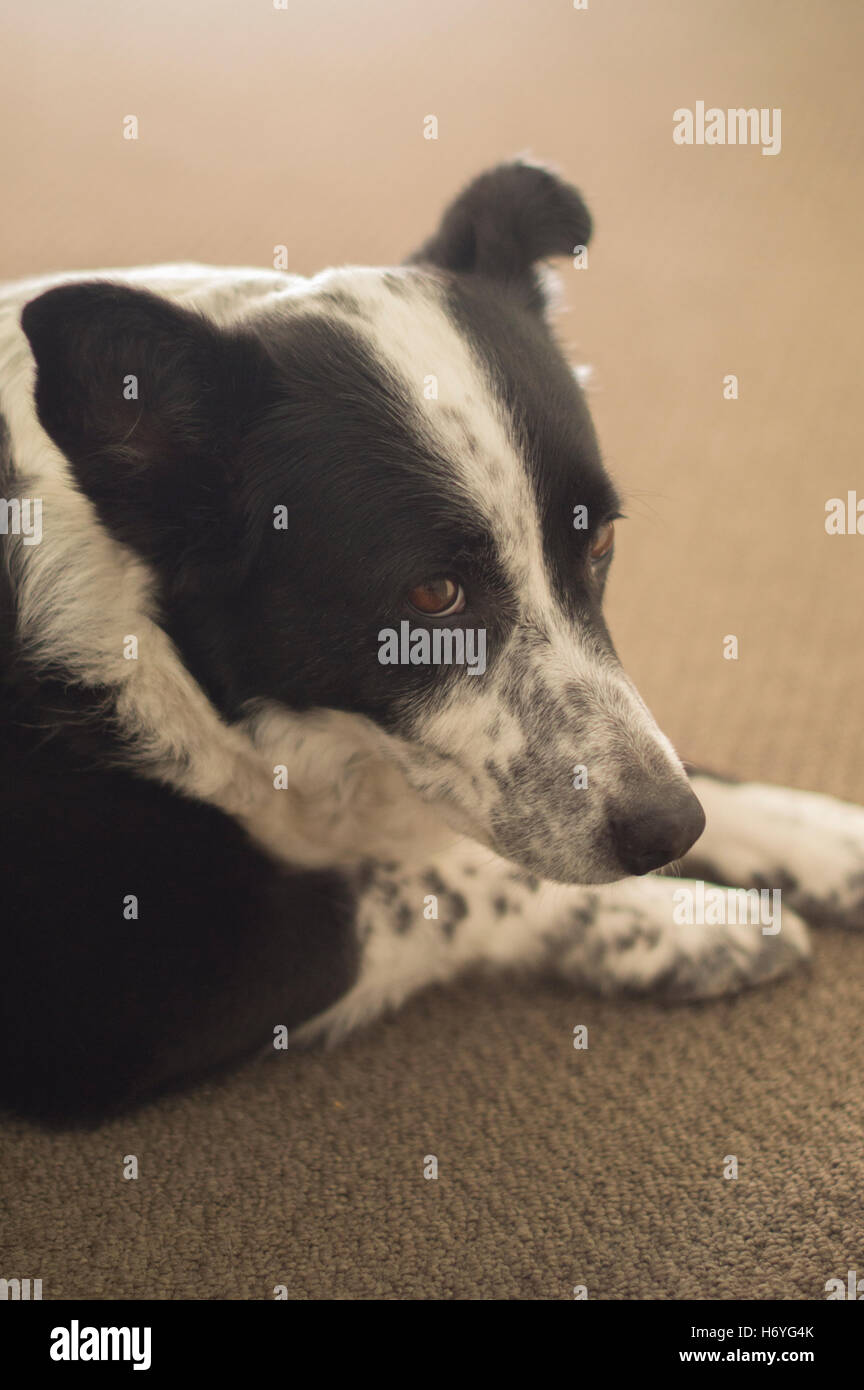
505 222
140 396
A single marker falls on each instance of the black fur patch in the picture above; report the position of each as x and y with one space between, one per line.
503 223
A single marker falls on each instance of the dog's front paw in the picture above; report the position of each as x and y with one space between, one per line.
707 961
809 846
650 936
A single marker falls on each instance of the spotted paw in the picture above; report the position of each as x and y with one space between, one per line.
809 846
651 936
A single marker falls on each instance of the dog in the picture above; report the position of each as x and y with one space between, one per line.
259 531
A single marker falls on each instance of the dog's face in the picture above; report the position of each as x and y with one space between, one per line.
388 468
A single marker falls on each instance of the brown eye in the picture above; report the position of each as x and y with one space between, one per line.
603 541
437 598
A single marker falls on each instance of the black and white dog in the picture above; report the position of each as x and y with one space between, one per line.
307 695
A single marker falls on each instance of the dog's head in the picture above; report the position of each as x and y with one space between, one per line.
382 494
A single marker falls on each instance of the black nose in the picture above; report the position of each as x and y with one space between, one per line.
658 832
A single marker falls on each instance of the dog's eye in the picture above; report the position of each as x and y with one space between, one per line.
603 541
437 598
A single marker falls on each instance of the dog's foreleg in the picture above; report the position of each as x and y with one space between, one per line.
472 910
809 846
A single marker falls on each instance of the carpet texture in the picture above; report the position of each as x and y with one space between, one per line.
557 1167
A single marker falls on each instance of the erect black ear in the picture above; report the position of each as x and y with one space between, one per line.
143 397
505 222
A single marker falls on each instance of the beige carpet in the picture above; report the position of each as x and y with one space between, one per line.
556 1167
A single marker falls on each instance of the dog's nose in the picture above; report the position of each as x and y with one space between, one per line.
658 833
